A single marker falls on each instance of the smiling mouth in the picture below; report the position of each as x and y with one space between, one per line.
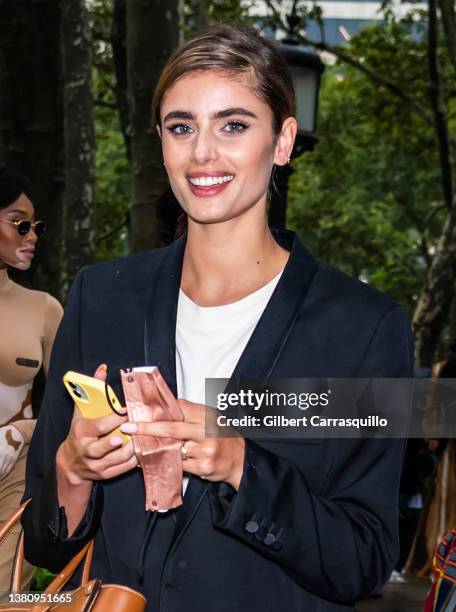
210 181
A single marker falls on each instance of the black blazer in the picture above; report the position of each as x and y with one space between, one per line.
329 507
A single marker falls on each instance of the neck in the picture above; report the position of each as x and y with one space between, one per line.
4 278
224 262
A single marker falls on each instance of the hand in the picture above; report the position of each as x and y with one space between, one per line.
87 455
215 459
11 444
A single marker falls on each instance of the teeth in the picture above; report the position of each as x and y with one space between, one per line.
208 181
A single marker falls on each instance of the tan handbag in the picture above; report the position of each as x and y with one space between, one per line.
91 596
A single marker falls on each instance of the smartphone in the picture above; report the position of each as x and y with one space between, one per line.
94 398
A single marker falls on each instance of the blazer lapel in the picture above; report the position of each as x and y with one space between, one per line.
269 336
264 346
161 314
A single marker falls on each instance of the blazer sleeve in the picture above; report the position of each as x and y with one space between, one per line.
44 523
342 542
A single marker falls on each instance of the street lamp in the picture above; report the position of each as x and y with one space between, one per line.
306 69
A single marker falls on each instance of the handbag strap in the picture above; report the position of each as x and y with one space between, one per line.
62 577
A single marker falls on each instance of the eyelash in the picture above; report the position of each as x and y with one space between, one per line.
173 128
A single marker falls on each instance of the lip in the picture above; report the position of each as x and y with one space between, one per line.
212 190
207 192
29 253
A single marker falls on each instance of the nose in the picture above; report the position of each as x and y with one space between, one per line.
204 148
30 236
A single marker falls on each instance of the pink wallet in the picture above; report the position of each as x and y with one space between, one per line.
148 398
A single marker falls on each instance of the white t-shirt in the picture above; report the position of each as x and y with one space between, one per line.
211 339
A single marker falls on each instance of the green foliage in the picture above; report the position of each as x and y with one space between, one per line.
363 199
111 166
112 188
41 578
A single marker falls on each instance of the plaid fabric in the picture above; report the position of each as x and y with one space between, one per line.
442 596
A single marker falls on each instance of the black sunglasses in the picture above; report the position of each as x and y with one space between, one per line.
23 227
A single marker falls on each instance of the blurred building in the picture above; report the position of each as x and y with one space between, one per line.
341 19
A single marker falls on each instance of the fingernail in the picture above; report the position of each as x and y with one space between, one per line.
129 427
102 368
115 441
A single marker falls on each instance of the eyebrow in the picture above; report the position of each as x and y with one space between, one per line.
221 114
17 211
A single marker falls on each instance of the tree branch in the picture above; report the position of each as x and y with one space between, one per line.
440 118
345 57
431 215
113 230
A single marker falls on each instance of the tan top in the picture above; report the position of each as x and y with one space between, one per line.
28 323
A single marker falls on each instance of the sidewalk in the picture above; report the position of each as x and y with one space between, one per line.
408 596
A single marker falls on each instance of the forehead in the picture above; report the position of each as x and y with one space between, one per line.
213 90
21 206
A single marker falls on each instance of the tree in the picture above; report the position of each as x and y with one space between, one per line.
434 106
31 118
79 230
152 34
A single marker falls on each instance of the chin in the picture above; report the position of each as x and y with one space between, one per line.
22 265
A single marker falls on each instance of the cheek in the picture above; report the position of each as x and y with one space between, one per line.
255 161
174 155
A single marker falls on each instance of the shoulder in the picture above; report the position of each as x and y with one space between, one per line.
40 300
53 308
347 292
133 270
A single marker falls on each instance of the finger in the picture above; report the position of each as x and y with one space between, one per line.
94 428
114 456
199 468
101 372
193 413
105 445
180 430
192 449
117 470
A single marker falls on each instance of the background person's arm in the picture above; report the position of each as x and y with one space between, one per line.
44 521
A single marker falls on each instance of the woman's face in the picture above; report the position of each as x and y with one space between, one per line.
16 250
219 146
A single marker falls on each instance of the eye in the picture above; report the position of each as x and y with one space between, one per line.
179 129
235 126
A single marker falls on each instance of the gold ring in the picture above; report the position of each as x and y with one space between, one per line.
184 452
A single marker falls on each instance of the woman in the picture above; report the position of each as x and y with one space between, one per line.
439 512
28 323
307 525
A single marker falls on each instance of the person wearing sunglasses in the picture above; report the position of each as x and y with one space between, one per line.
28 323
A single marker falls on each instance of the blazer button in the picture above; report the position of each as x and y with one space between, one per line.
252 527
276 546
269 539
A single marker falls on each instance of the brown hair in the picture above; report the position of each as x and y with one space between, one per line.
238 51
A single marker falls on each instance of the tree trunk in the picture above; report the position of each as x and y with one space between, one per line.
434 303
433 308
119 54
152 34
79 138
31 119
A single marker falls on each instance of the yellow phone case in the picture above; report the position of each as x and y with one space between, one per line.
89 395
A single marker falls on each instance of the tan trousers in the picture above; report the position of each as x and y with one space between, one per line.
11 491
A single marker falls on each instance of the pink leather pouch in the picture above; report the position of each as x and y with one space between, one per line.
149 398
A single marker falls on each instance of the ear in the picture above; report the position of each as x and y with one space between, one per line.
285 141
157 127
